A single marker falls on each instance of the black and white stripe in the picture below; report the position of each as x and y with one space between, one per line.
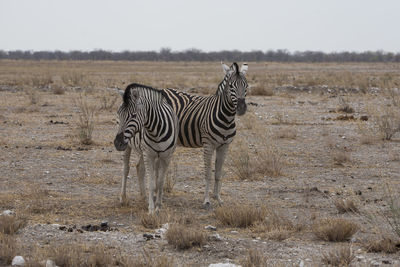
148 124
209 122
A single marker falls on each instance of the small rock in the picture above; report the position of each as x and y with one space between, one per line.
211 228
234 232
216 237
18 261
223 265
8 212
50 263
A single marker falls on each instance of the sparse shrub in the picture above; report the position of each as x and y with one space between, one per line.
340 156
86 120
344 106
33 96
184 237
345 205
7 249
58 90
393 94
269 162
73 78
240 215
393 217
74 254
254 258
339 256
153 221
10 224
334 229
108 102
385 245
147 260
388 122
41 81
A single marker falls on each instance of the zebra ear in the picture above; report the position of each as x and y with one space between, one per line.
244 68
225 68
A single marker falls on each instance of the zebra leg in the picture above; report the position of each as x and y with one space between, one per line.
208 153
149 165
219 162
163 166
141 171
156 176
127 156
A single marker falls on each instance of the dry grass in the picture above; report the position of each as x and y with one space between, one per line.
33 96
146 260
388 122
334 229
183 237
286 133
254 258
107 102
85 124
240 215
7 249
344 106
340 256
58 90
340 156
262 90
385 245
153 221
38 200
10 224
171 178
73 78
74 254
345 205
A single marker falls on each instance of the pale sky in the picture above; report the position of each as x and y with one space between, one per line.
208 25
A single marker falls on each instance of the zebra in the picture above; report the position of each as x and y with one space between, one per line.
209 121
148 124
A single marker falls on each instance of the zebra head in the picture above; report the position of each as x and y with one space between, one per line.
129 119
236 86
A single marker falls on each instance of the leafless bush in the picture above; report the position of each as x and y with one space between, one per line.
10 224
339 256
108 102
344 106
7 249
385 245
240 215
86 120
73 78
334 229
393 216
345 205
254 258
41 81
184 237
388 122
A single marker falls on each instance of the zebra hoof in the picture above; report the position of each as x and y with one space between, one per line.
207 206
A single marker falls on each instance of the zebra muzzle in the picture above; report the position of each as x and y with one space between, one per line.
241 106
119 142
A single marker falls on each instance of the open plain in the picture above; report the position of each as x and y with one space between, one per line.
319 146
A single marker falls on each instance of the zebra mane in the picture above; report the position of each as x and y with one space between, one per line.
127 93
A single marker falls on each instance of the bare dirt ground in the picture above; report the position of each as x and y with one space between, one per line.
325 155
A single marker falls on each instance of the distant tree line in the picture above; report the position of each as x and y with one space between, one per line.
166 54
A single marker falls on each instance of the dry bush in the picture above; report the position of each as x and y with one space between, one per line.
73 78
254 258
339 256
10 224
184 237
393 94
108 102
7 249
367 135
41 81
334 229
85 125
153 221
262 90
345 205
74 254
385 245
33 96
287 133
393 216
147 260
344 106
38 200
340 156
388 122
270 162
240 215
58 90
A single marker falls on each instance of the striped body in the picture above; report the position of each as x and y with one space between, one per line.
148 124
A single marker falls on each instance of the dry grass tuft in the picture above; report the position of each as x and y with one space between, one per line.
10 224
340 156
86 120
153 221
240 215
184 237
7 249
73 78
344 106
286 133
107 102
38 200
74 254
339 256
385 245
254 258
33 96
345 205
334 229
58 90
146 260
262 90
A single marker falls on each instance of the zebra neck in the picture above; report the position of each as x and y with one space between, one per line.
225 99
